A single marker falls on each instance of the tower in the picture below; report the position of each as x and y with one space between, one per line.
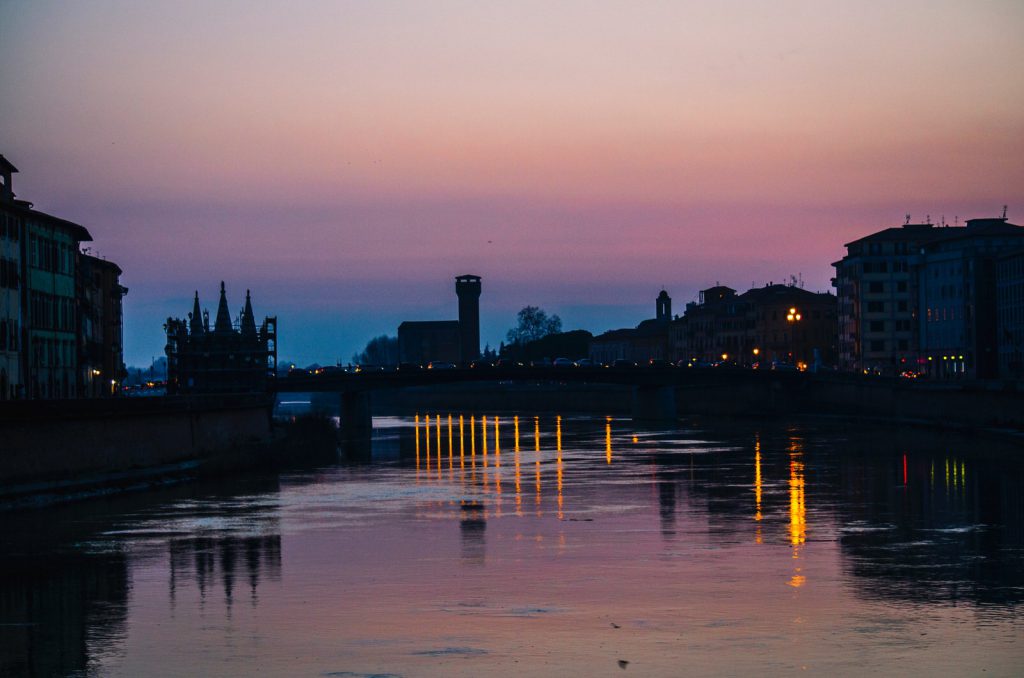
467 287
663 307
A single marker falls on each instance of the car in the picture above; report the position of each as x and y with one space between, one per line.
563 362
585 362
481 365
409 367
440 365
656 364
623 364
541 362
784 367
507 363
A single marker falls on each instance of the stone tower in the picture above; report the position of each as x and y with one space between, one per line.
467 287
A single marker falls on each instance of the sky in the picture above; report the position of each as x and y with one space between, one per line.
346 160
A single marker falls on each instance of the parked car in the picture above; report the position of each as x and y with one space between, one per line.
623 364
585 362
563 362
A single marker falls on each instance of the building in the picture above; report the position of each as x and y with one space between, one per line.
60 310
647 341
10 286
774 323
1010 314
957 283
789 324
39 304
423 341
233 357
712 327
878 299
101 344
450 341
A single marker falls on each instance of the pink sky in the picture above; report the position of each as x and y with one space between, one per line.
346 160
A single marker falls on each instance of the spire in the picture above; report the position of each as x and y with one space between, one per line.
195 322
248 322
223 322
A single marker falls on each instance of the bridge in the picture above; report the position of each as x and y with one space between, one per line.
653 389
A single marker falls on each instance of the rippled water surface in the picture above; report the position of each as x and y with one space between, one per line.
543 545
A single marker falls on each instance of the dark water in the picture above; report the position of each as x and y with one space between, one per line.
539 546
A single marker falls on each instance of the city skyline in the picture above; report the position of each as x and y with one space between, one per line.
344 162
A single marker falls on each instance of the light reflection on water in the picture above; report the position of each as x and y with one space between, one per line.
477 544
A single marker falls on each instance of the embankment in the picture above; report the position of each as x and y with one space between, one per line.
62 449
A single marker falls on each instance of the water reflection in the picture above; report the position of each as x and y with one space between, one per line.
736 510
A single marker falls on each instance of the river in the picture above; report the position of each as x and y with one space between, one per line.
543 545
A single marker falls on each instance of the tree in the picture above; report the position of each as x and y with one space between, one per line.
532 323
382 350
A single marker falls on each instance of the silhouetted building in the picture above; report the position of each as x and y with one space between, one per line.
774 323
100 317
711 327
958 306
10 286
1010 314
647 341
41 300
229 358
423 341
453 341
878 299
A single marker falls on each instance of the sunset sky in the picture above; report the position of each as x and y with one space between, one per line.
345 160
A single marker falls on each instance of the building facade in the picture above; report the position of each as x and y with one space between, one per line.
650 340
101 342
774 323
957 283
10 287
877 294
450 341
1010 314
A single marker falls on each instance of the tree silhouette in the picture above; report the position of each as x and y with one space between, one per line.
533 323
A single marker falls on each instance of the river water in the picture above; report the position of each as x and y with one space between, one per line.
541 546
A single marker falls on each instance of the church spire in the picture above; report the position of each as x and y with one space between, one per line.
248 323
223 322
195 322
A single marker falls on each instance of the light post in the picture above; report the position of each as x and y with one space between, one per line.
793 317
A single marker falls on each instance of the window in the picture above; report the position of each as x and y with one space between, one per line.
876 307
877 345
901 286
877 326
876 287
904 344
901 306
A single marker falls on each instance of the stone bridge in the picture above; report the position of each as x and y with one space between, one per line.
654 390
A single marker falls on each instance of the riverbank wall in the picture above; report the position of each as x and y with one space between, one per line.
964 405
62 449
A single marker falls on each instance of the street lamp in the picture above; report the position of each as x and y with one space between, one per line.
792 318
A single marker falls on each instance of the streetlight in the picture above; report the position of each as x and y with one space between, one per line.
792 318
